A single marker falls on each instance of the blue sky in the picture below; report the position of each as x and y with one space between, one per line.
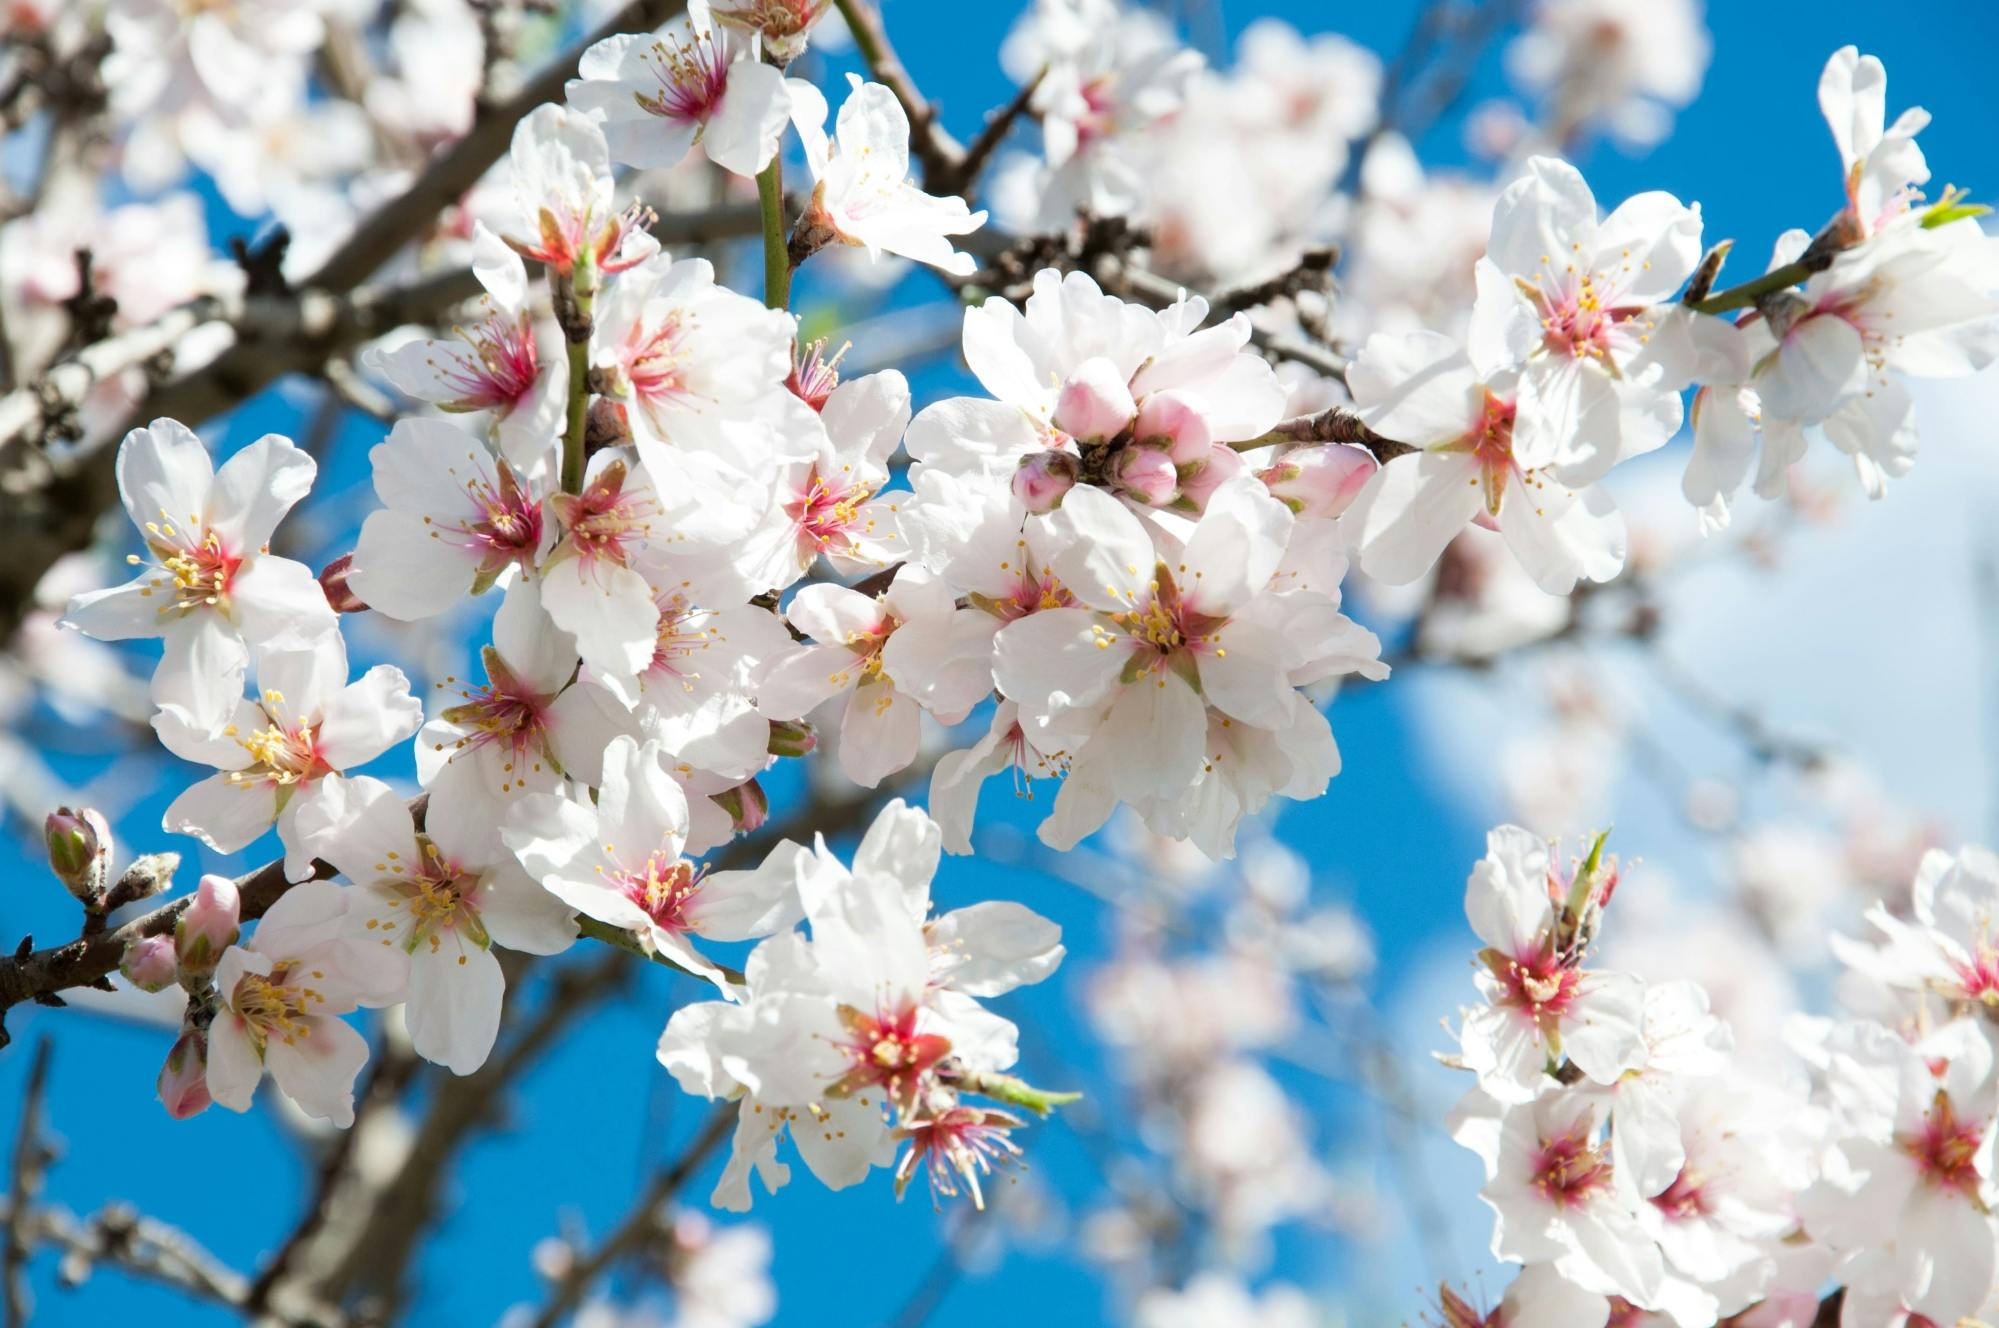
1393 837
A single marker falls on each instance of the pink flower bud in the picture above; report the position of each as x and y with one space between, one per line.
1043 479
1095 405
79 844
746 804
1147 474
1200 479
1171 422
791 737
208 926
149 963
1319 481
184 1078
338 593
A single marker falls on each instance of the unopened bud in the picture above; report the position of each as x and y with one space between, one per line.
1043 480
1170 421
1147 474
607 425
149 963
184 1078
1095 405
146 877
1319 481
79 843
208 926
746 804
791 737
1200 479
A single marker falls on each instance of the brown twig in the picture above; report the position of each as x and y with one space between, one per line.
30 1160
642 1222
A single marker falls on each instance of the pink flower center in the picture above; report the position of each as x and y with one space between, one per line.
195 568
426 900
605 522
885 1049
654 359
1946 1149
1685 1199
1162 630
1568 1170
1978 977
662 889
283 754
958 1145
498 367
827 512
507 713
508 526
693 76
813 375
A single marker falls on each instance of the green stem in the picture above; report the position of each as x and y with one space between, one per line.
621 939
1749 292
573 457
777 258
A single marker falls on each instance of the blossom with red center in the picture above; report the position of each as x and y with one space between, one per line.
958 1145
663 887
562 177
1945 1148
1570 1170
451 507
507 715
814 375
885 1049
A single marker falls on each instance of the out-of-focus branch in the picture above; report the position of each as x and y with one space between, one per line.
381 1228
30 1159
642 1223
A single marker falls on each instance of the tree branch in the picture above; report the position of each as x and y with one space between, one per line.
642 1222
940 155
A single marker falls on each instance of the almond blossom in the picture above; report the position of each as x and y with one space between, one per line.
1461 414
211 586
693 83
620 861
1542 1005
501 740
1585 306
452 507
565 216
695 366
860 1018
830 505
862 194
281 997
1168 655
1881 164
889 656
1147 402
511 364
438 899
278 754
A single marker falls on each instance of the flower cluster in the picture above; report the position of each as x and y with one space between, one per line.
1638 1165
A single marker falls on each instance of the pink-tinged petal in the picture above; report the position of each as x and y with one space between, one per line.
1102 554
255 488
1560 537
234 1066
1409 510
316 1068
222 814
391 544
878 733
791 684
1234 550
367 717
164 475
278 600
1055 659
